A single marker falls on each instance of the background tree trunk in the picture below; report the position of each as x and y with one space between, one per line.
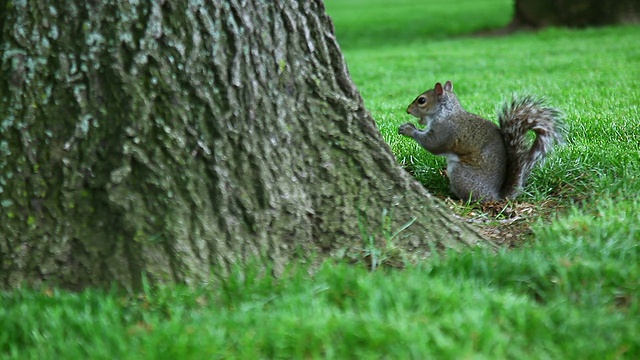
575 13
177 139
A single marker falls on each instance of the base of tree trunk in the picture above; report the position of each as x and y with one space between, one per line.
176 140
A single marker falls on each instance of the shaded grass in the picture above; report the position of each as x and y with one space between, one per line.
372 23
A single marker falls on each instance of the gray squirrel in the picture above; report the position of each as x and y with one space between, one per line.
484 162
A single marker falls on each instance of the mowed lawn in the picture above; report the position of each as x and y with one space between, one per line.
571 290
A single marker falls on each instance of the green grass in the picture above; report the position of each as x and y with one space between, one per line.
371 23
573 292
591 75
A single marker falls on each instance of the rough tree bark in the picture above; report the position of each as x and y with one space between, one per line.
177 139
574 13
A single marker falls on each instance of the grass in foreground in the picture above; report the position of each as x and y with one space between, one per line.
571 294
574 292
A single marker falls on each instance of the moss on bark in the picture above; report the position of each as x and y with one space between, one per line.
179 139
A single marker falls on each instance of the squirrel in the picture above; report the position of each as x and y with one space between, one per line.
484 162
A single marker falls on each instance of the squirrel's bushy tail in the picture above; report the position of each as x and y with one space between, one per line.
516 119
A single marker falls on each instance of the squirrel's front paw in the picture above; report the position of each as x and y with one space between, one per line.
406 129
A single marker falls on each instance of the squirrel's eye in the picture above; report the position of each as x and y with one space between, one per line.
422 100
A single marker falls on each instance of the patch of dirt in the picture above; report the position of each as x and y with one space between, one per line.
508 223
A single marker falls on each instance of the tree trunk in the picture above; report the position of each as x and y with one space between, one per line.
574 13
177 139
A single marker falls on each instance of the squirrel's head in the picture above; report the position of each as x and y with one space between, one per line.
425 105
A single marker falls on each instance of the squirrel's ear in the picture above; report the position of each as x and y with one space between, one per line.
448 86
438 89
